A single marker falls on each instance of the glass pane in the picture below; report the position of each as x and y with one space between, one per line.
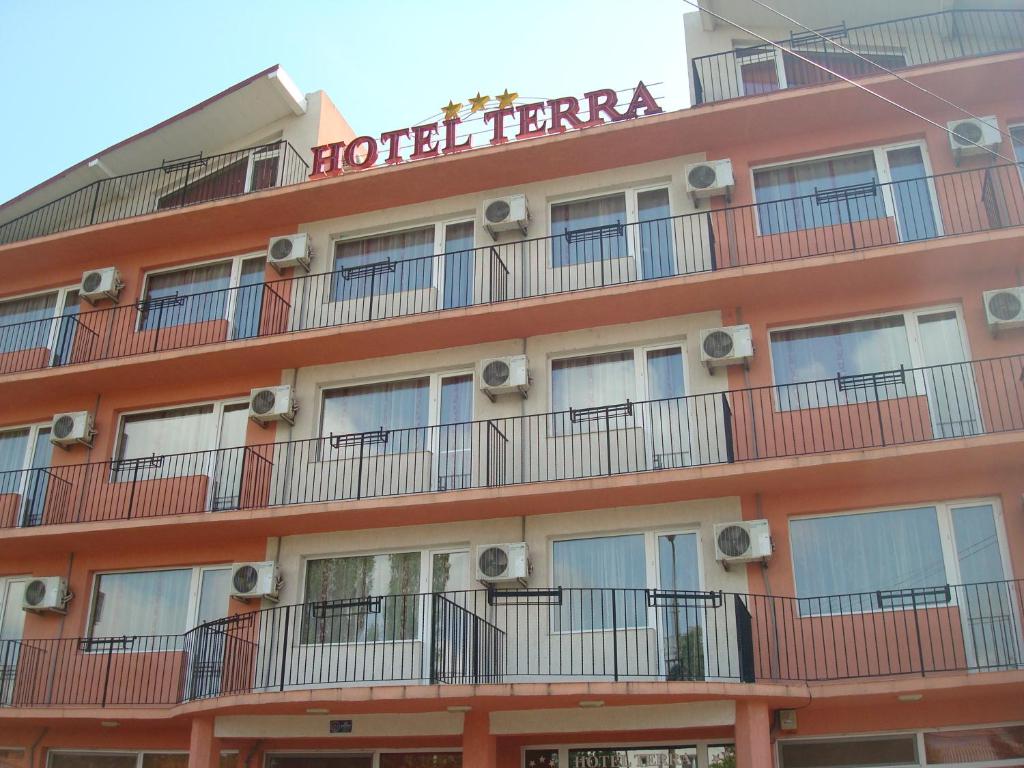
974 746
668 433
249 299
911 194
141 603
351 578
13 616
412 250
230 459
200 291
862 553
721 756
26 323
800 72
455 435
368 407
178 430
37 481
586 231
630 756
91 760
775 188
458 265
951 392
178 760
1018 148
319 761
681 622
64 349
214 592
449 572
848 753
657 249
823 352
759 77
583 382
421 760
13 446
597 574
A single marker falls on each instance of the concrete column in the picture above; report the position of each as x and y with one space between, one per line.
479 746
203 748
753 735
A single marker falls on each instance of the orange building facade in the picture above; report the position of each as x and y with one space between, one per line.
651 438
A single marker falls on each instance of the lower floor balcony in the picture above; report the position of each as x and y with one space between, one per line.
507 636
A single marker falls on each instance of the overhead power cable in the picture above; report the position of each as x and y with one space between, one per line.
877 65
844 78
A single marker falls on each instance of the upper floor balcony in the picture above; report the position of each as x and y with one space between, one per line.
368 284
881 409
546 635
176 183
893 45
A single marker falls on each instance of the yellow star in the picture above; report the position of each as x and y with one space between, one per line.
505 99
452 110
478 102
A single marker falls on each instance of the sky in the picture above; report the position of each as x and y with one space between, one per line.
84 75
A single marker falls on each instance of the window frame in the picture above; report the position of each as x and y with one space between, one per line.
219 406
192 606
231 298
1015 129
632 217
437 268
640 352
61 293
884 179
563 748
910 323
5 582
35 430
947 539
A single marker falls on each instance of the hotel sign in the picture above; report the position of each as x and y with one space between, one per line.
506 123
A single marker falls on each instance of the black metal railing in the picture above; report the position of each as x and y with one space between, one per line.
894 45
827 222
871 410
175 184
559 634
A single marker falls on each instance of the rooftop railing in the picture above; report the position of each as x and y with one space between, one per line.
830 221
894 45
552 635
175 184
854 412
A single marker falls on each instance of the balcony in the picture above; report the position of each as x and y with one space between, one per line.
894 45
487 637
829 222
175 184
875 410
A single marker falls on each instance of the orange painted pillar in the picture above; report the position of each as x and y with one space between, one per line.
479 746
204 747
753 735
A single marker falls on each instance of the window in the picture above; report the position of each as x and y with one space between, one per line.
760 71
602 757
25 455
229 290
610 378
1017 132
788 195
849 753
974 745
45 320
165 602
814 366
901 549
371 598
118 760
257 170
367 407
396 262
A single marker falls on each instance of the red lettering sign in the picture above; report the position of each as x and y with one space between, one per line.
434 139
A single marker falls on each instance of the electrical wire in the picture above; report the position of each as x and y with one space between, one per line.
845 79
888 71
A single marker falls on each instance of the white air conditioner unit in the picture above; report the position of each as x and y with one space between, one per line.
731 345
1004 309
742 542
289 251
505 213
254 581
46 594
98 284
709 179
67 429
503 563
267 404
503 375
973 137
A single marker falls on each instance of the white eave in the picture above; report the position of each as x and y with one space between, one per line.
229 120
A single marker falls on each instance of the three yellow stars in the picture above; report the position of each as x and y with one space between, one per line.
478 103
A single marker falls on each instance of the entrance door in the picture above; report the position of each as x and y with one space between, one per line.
680 616
38 482
212 638
12 621
226 481
947 379
455 433
248 299
63 348
451 622
990 625
459 258
667 426
912 195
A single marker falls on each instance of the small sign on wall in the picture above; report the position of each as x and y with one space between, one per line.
341 726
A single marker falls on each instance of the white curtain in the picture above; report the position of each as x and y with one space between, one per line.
584 214
412 248
141 603
203 295
23 322
583 382
591 569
